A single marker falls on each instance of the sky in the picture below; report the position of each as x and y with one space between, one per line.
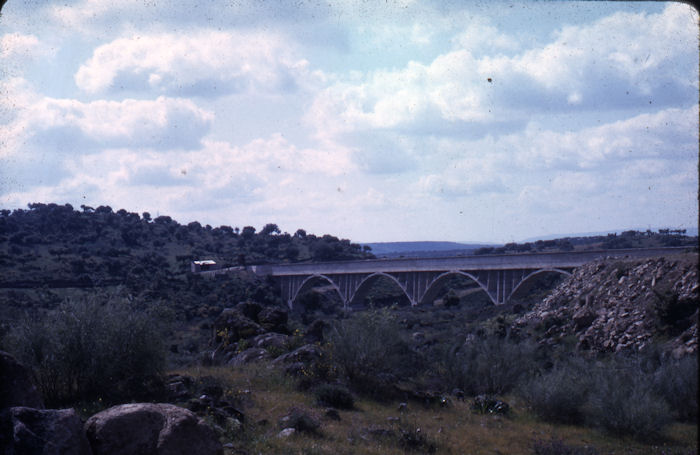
395 120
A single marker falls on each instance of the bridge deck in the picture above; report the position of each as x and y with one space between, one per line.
559 260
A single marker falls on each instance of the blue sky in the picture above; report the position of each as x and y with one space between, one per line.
374 121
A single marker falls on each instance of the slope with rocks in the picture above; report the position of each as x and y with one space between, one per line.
618 305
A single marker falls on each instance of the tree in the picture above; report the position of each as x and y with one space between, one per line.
248 232
270 228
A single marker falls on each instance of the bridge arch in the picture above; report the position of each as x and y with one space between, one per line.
307 280
374 276
435 282
534 273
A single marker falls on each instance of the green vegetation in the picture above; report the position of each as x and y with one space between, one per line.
93 350
52 252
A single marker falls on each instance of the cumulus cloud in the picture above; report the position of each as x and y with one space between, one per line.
65 125
201 63
621 61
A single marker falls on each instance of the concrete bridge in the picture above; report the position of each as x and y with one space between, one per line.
498 275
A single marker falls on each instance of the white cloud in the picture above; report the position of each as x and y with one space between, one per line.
204 63
18 45
622 61
63 125
483 38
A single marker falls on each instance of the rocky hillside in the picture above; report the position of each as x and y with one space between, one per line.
618 305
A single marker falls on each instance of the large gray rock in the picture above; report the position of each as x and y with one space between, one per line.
271 340
29 431
248 356
305 354
16 385
150 429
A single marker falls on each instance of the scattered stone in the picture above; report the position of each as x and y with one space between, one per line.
287 432
601 304
178 386
484 404
147 428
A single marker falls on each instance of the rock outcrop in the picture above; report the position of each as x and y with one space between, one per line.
616 305
147 428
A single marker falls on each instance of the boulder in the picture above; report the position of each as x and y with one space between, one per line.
271 340
232 325
248 356
301 420
150 429
583 318
16 385
29 431
305 354
274 319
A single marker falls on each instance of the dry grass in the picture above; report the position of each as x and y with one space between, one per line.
268 396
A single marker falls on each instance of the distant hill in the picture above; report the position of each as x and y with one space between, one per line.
424 249
689 232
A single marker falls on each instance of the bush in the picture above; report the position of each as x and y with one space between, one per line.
560 394
677 382
492 365
87 350
622 402
411 438
335 396
370 351
483 404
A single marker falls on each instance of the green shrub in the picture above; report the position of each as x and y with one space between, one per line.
370 351
335 396
677 382
560 394
622 402
491 365
412 439
87 350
